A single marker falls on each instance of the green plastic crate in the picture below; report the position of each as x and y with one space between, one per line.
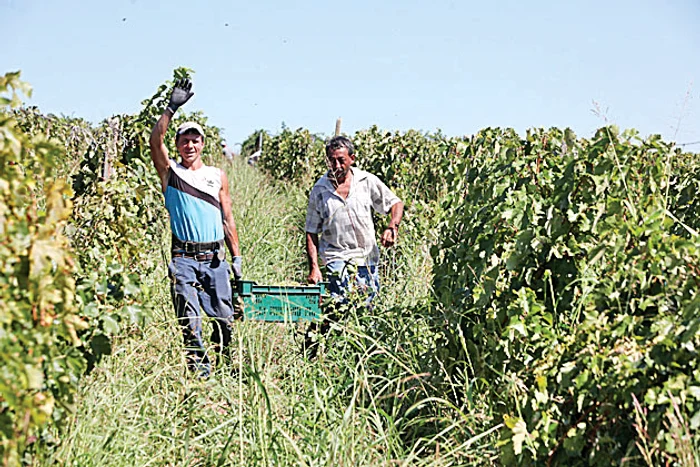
281 302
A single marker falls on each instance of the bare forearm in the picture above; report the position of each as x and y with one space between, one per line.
231 238
312 250
396 215
161 126
159 153
315 275
391 233
230 231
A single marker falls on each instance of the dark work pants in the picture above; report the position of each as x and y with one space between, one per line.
201 285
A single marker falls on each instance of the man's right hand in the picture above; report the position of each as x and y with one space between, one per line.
315 276
181 94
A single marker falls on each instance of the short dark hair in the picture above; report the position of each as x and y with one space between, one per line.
339 142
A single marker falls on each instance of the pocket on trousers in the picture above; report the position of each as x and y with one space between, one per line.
171 271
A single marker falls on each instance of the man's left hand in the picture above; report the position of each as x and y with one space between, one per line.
237 267
389 236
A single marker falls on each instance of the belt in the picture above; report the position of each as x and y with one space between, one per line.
196 256
196 247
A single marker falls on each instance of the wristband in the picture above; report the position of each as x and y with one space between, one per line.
170 109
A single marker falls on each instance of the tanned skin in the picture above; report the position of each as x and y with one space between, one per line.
189 146
340 167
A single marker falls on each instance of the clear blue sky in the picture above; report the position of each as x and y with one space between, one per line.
454 65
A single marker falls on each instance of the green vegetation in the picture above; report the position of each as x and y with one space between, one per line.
541 307
39 319
565 282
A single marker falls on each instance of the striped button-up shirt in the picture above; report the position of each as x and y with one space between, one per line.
345 227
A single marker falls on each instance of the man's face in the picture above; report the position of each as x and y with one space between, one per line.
190 147
339 162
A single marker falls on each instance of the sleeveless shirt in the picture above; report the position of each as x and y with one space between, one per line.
192 200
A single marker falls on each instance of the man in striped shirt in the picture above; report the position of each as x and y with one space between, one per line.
339 226
197 199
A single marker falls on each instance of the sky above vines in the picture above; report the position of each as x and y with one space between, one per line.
458 66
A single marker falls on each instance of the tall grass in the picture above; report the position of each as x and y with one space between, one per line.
368 399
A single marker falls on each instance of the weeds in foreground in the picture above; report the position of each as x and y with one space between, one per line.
368 399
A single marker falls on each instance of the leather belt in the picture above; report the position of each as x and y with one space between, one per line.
195 247
196 256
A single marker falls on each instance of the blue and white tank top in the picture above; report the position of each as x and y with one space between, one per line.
192 200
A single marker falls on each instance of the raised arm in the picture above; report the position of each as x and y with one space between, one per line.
159 153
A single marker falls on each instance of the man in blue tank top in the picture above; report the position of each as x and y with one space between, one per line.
197 199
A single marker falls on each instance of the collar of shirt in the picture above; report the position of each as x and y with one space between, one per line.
357 176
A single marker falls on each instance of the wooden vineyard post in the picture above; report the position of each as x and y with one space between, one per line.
111 147
337 126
